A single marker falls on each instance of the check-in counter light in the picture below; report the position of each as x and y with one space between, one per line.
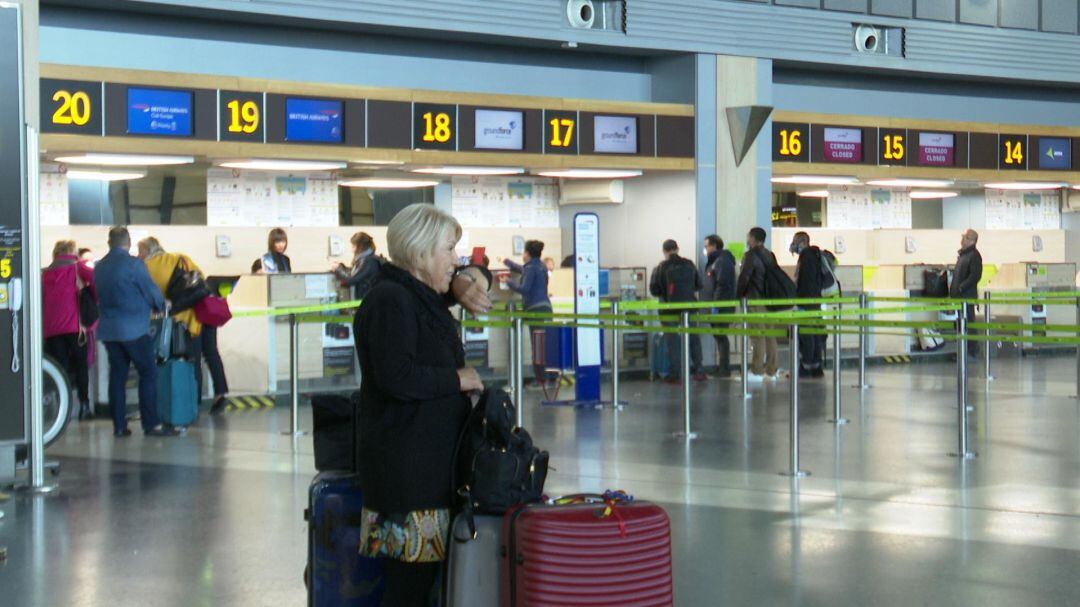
273 164
591 173
1025 185
469 171
124 160
932 194
816 180
814 194
911 183
94 175
379 183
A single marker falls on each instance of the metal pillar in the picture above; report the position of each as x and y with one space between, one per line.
863 304
986 344
962 452
294 378
32 238
837 417
685 359
793 444
519 379
615 356
745 347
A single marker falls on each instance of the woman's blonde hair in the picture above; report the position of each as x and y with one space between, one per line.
64 247
152 246
415 233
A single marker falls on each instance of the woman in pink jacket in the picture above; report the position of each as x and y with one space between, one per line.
65 337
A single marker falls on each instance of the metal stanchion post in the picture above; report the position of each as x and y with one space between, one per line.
464 331
794 438
615 356
963 452
745 347
986 344
519 357
685 358
511 366
32 318
863 303
1078 350
837 418
294 378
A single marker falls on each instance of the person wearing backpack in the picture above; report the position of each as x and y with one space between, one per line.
811 276
720 286
756 264
676 280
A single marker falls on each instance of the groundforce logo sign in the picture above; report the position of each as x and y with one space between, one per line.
499 130
615 135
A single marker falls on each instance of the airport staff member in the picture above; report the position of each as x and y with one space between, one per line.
363 273
966 277
275 261
677 280
751 285
126 297
720 286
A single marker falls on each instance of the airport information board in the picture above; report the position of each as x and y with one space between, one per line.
86 107
889 146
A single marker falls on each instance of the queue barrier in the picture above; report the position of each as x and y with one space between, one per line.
833 319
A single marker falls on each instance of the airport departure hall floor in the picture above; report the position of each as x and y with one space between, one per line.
216 517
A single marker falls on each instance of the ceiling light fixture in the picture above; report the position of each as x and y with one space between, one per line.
911 183
469 171
93 175
1025 185
121 160
378 183
379 162
815 194
816 180
591 173
932 194
271 164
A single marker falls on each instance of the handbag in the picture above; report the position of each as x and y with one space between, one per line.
186 287
213 311
181 342
88 308
161 332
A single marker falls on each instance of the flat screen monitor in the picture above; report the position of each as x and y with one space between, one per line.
159 112
313 120
615 135
500 130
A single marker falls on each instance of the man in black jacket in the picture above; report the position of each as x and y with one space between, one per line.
676 280
808 285
751 285
966 277
720 286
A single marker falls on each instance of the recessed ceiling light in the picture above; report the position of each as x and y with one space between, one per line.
379 162
125 159
470 171
932 194
816 180
92 175
591 173
911 183
815 194
271 164
1025 185
377 183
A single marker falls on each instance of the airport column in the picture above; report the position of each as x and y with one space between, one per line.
21 415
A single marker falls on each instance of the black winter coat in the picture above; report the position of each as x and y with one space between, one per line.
808 274
411 406
720 277
751 283
968 273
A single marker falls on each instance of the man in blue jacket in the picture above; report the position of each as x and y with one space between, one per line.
126 298
533 288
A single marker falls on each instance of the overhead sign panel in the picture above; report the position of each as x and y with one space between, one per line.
1055 153
937 149
159 112
791 142
843 145
314 120
615 135
500 130
71 106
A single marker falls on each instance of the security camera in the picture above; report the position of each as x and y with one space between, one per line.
580 13
869 39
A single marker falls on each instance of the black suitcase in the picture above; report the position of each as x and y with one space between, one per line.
333 431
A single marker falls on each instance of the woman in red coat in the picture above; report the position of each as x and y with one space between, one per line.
65 337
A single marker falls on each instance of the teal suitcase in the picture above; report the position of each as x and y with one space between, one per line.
177 394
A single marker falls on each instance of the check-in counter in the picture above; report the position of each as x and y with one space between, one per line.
1027 278
255 350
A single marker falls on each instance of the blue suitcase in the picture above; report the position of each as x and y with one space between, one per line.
177 393
659 363
337 575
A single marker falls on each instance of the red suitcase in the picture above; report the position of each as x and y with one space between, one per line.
587 555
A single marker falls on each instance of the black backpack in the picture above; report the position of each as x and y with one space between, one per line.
778 285
935 283
496 464
680 278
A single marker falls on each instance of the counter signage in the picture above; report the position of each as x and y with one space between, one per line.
892 147
434 126
1055 153
70 106
500 130
241 116
159 112
560 132
842 145
791 142
615 135
1012 152
314 120
937 149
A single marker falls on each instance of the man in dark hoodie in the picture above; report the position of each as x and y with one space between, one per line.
966 277
808 284
720 286
676 280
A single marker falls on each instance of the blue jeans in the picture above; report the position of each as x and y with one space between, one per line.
121 356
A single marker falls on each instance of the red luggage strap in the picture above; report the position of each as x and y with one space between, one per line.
610 501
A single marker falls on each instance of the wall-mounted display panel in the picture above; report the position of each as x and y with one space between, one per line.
71 106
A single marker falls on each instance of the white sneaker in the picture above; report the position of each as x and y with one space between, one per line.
754 378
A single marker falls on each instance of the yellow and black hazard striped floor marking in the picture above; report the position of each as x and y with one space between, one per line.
247 403
898 359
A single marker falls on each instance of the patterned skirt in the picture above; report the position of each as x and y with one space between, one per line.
417 537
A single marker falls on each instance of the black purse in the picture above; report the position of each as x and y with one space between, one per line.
186 288
181 342
88 308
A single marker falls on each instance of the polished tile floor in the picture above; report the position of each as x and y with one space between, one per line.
886 518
